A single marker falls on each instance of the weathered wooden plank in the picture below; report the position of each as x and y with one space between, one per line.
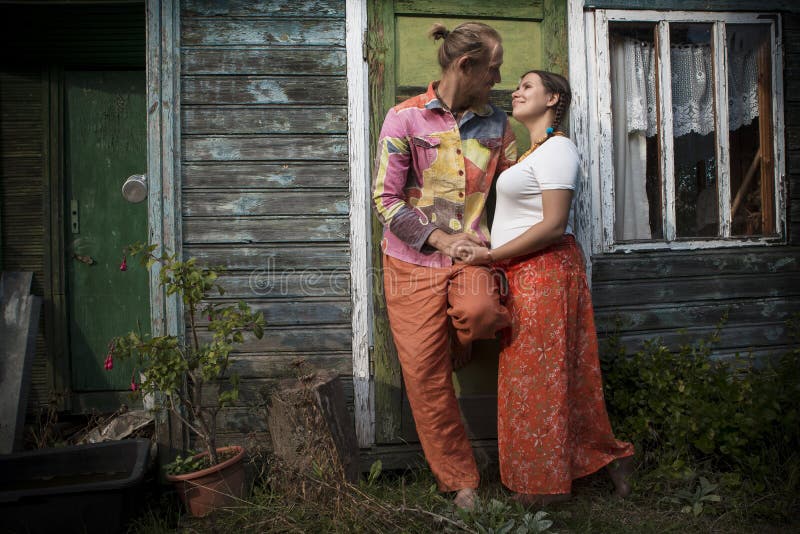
316 61
793 163
253 392
249 203
263 90
264 175
387 379
733 261
514 9
791 44
264 120
650 291
792 86
273 8
154 160
359 160
294 339
281 259
258 31
241 420
266 283
265 148
295 313
284 365
740 338
792 132
673 316
171 149
555 49
264 229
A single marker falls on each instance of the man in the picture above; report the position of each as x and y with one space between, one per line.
438 155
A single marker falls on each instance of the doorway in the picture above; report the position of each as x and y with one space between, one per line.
72 89
402 61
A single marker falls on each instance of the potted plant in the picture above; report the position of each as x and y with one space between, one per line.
191 375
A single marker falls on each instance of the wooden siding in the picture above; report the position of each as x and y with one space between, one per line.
264 181
682 296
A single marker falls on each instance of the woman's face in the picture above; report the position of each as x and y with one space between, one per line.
531 100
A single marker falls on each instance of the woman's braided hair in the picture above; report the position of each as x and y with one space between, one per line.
557 85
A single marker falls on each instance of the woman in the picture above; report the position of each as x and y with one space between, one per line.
552 422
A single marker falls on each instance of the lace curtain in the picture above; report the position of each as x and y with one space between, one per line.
633 93
692 87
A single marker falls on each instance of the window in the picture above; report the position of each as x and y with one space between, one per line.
691 105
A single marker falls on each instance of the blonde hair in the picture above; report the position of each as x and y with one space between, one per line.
471 39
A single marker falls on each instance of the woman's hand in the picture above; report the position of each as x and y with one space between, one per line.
473 254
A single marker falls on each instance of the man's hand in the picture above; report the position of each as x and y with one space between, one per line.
457 246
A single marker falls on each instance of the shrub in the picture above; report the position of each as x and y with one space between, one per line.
684 405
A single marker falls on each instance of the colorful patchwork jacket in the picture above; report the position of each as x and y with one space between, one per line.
431 172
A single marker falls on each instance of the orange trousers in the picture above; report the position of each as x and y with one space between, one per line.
423 303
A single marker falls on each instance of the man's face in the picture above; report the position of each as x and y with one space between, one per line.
480 77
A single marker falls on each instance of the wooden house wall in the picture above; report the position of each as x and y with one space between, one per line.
682 295
264 180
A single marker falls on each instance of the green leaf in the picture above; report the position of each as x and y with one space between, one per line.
374 471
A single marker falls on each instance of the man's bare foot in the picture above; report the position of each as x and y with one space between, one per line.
529 500
461 354
465 499
620 472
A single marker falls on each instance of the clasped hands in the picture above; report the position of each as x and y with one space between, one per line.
461 247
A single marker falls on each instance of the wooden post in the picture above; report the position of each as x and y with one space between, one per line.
307 418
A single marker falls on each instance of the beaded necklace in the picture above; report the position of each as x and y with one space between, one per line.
537 144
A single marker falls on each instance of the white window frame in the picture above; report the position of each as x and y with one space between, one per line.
599 164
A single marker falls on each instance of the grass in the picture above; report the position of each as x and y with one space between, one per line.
408 502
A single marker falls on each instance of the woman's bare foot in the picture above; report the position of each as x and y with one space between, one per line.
465 499
620 472
532 499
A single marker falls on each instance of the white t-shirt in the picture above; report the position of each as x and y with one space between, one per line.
554 165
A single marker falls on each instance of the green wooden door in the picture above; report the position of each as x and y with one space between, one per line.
402 63
104 143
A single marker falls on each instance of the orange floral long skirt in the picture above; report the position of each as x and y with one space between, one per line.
552 421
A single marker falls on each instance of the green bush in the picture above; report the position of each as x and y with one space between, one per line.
682 406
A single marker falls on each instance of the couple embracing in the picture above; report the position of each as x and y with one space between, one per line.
438 156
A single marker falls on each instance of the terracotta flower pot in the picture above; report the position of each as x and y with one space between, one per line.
218 486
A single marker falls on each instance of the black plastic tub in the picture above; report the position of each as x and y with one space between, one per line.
86 488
